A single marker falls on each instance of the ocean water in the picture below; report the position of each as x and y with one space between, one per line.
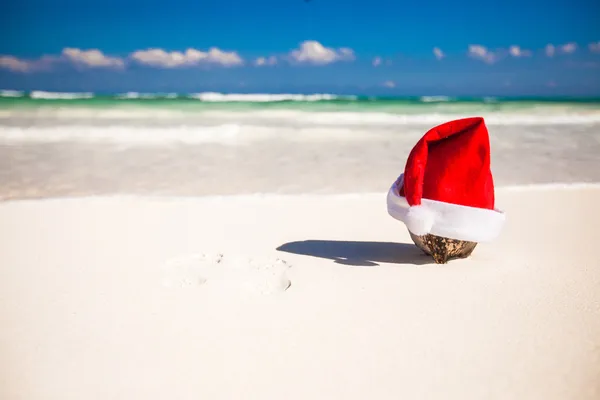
73 144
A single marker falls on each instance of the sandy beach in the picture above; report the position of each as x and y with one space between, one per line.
212 200
296 297
191 250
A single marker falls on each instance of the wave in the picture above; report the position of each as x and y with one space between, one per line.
316 100
285 117
382 119
136 95
39 94
435 99
233 131
263 97
124 135
11 93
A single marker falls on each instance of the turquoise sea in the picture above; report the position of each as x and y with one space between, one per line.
306 102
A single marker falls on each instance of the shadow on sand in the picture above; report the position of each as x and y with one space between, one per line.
365 254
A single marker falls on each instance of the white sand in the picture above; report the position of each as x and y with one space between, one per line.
103 299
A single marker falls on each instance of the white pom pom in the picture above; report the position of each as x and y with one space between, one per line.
419 220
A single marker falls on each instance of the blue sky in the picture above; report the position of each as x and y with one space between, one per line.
375 46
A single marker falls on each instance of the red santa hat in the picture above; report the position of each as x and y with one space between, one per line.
447 187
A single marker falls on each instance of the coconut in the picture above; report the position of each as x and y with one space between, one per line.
443 249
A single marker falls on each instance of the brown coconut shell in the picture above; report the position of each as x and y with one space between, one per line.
443 249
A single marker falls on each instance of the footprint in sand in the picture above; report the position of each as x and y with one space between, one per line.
222 273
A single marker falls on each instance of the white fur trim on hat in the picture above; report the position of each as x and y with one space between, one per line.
445 219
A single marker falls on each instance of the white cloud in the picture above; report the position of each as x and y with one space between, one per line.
93 58
517 51
594 47
481 53
224 58
313 52
389 84
377 61
568 48
346 53
89 58
264 61
163 59
14 64
438 53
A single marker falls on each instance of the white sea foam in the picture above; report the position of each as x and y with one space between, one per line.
125 135
90 115
230 134
136 95
234 132
39 94
11 93
260 97
492 118
435 99
285 117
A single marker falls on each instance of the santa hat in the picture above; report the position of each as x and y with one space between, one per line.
447 187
